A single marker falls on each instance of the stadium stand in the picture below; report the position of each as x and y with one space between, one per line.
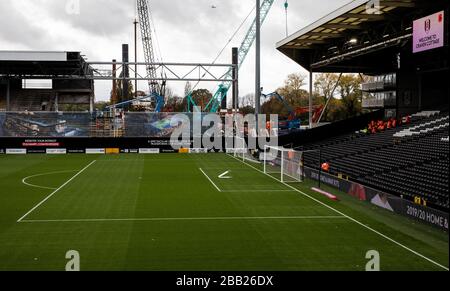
38 101
411 160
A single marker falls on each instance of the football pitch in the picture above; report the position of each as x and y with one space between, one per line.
205 212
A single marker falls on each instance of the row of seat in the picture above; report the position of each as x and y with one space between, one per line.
409 165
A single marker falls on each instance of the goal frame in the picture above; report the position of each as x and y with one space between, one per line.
282 172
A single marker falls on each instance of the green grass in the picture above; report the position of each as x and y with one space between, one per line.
160 212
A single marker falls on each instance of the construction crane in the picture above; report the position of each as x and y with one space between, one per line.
286 7
221 93
293 121
156 89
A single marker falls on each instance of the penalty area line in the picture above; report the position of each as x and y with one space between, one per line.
56 191
207 177
353 219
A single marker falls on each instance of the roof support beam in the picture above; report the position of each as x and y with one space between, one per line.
376 17
300 42
325 34
340 25
398 4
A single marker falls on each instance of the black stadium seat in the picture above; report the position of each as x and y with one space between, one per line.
410 161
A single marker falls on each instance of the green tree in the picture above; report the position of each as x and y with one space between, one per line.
101 105
176 104
351 95
292 93
292 90
247 110
201 98
323 89
346 100
119 92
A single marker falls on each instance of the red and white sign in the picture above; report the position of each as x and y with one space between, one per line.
428 32
40 144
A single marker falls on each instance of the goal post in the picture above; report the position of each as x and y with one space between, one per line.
287 165
238 148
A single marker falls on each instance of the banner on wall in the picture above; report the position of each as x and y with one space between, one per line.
16 151
386 201
428 32
95 151
56 151
149 151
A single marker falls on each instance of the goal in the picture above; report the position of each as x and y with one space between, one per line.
287 165
242 152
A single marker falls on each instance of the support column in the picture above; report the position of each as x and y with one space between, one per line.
92 98
114 84
8 95
135 59
420 76
258 63
91 103
125 72
57 101
235 54
311 99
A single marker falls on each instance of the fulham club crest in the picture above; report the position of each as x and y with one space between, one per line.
427 25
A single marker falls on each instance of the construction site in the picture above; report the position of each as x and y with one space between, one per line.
49 82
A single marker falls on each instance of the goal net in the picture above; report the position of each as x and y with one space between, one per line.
242 152
287 165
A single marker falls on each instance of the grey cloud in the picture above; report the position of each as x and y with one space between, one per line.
188 30
15 28
99 17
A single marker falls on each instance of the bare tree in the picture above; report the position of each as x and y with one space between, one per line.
247 100
187 88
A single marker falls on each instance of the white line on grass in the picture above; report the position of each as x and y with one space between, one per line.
254 191
54 192
181 219
24 180
352 219
218 189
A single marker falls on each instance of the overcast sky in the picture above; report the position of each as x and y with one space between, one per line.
187 30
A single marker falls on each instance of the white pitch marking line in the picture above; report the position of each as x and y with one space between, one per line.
255 191
24 180
224 175
218 189
354 220
181 219
54 192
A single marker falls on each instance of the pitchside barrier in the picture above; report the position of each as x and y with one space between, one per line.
389 202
